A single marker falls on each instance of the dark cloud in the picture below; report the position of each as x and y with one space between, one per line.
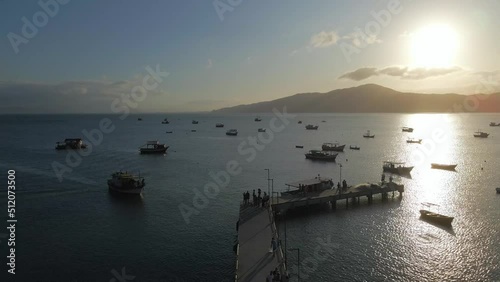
399 71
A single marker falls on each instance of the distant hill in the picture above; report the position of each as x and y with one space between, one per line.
372 98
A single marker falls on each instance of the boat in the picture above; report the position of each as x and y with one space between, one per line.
368 135
407 129
311 127
427 214
396 167
333 147
480 134
194 122
323 121
414 140
139 119
193 130
321 155
153 147
498 190
257 119
494 124
444 166
261 130
299 122
299 146
232 132
317 184
219 125
354 147
125 183
170 132
165 121
71 143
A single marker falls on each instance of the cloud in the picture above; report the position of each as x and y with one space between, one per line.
402 72
360 39
324 39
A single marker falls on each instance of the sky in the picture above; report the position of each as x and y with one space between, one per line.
67 56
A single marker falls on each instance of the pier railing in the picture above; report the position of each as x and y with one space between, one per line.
281 258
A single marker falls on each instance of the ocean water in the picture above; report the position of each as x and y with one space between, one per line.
74 230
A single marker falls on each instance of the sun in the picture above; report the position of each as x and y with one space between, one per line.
434 46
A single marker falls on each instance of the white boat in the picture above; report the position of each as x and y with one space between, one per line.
232 132
153 147
368 134
125 183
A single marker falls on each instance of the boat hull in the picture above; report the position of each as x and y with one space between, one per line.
442 166
318 158
335 148
435 217
354 148
398 170
369 136
146 151
130 192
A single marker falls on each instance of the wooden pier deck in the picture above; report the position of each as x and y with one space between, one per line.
368 190
256 229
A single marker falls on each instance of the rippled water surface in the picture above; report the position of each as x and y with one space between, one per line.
75 231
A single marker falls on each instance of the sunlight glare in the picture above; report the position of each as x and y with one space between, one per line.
434 46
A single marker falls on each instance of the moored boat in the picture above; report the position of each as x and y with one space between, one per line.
299 122
194 122
71 143
427 214
153 147
125 183
261 130
498 190
311 127
414 140
232 132
368 135
165 121
299 146
480 134
444 166
354 147
219 125
139 119
407 129
317 184
494 124
257 119
396 167
321 155
333 147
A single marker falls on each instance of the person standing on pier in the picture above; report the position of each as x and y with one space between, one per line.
274 246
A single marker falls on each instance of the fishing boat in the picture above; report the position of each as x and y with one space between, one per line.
194 122
354 147
317 184
480 134
257 119
414 140
368 135
407 129
311 127
333 147
165 121
299 122
232 132
427 214
261 130
444 166
219 125
321 155
125 183
396 167
153 147
494 124
71 143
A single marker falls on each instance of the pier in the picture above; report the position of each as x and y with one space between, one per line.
256 228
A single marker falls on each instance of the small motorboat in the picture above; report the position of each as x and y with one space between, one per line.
232 132
494 124
219 125
299 122
299 146
71 143
333 147
311 127
153 147
165 121
321 155
125 183
396 168
427 214
443 166
414 140
368 135
354 147
480 134
194 122
498 190
261 130
257 119
407 129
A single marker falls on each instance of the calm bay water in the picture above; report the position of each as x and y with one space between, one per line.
75 231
